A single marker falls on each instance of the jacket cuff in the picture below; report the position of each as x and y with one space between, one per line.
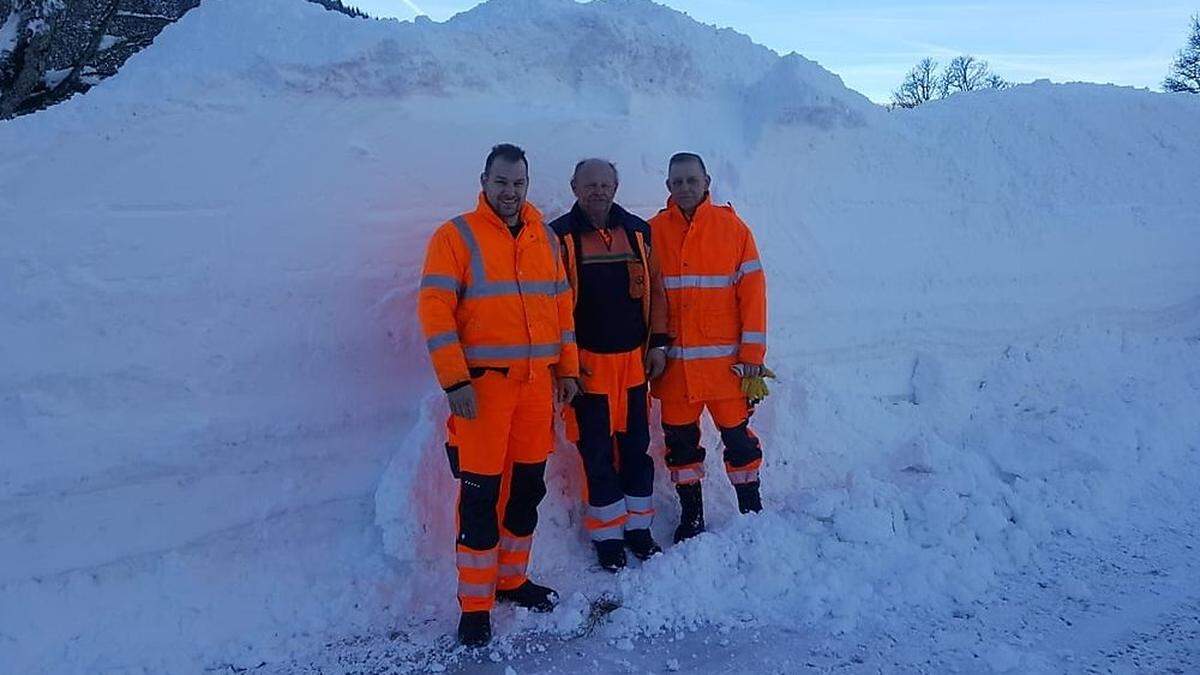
659 340
455 387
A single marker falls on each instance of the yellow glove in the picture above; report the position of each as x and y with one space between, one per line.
755 388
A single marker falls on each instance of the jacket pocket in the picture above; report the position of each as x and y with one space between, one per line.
637 279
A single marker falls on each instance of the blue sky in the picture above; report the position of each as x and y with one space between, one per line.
872 44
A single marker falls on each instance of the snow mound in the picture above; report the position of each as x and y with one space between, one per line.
221 438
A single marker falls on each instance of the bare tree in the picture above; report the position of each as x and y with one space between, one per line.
919 86
1185 70
964 73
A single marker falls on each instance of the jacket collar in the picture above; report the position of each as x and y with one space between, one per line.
580 223
701 209
530 215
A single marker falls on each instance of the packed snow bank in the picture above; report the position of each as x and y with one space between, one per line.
221 437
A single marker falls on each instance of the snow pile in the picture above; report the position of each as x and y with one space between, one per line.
221 438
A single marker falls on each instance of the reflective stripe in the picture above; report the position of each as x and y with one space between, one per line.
440 281
754 338
512 351
639 504
748 267
697 281
492 289
568 337
564 286
741 477
468 590
512 570
484 560
687 475
639 521
607 533
441 340
709 352
473 252
607 513
508 543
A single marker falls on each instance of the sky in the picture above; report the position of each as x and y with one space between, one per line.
872 44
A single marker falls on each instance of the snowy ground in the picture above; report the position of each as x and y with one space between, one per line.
220 438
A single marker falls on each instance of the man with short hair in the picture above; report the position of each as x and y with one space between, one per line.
621 328
717 297
496 311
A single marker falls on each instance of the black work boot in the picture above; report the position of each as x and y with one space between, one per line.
475 629
691 519
642 543
749 500
611 554
530 596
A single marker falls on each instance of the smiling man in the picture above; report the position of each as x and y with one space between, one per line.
496 310
717 297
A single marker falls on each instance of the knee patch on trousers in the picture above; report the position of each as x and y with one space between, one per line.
683 444
526 491
741 446
477 499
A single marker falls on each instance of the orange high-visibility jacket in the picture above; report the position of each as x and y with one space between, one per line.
489 300
716 297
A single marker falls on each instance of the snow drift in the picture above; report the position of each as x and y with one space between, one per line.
220 437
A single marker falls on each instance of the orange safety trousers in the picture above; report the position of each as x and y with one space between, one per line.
608 422
502 458
685 455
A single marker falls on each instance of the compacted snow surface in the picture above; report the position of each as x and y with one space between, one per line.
220 440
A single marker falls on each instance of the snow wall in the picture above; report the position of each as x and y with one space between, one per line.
220 438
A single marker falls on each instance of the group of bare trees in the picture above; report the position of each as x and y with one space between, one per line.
928 81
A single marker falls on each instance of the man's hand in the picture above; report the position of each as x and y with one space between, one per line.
656 362
568 389
462 402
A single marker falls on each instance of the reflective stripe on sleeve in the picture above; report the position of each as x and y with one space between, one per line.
441 282
748 267
754 338
441 340
568 337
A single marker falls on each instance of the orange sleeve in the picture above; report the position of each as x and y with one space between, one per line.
568 359
751 289
659 321
443 275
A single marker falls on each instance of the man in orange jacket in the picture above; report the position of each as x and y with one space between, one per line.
621 327
717 297
496 310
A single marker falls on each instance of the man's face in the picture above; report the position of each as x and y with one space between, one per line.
505 185
687 184
595 186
